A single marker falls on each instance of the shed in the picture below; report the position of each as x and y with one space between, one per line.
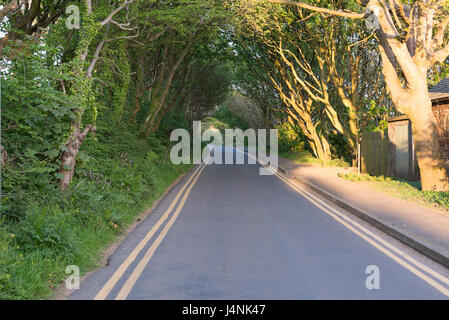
399 155
440 105
402 159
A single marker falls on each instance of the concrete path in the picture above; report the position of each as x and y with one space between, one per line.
226 232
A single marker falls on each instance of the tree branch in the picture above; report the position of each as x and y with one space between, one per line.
345 14
439 56
113 13
98 50
10 7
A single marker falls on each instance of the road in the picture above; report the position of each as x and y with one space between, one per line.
226 232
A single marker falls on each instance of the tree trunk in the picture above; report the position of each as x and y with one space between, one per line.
139 90
318 143
414 101
69 157
326 148
428 151
155 126
405 65
426 139
4 155
137 99
319 149
161 102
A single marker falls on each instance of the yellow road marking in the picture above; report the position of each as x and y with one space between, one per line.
124 292
384 242
130 282
316 201
104 292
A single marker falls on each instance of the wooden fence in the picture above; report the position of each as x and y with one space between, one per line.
374 151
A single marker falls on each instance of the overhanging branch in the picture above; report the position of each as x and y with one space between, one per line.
345 14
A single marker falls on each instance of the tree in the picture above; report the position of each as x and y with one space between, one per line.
186 24
252 80
411 40
160 54
324 93
95 19
29 18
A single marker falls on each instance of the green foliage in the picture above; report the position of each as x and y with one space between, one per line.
80 85
438 73
339 148
290 139
174 119
374 115
11 286
223 115
293 145
121 86
118 176
440 199
187 58
36 117
307 157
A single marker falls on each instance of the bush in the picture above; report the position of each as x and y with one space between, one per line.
118 175
49 229
290 139
340 148
223 116
439 198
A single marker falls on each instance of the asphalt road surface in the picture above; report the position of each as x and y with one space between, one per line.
226 232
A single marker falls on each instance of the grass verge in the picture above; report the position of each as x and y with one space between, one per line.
405 190
307 157
117 178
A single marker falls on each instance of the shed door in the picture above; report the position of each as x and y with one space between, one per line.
402 151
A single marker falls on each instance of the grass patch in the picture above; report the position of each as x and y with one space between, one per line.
405 190
307 157
117 178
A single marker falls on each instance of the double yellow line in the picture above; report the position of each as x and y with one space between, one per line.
419 269
422 271
130 282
